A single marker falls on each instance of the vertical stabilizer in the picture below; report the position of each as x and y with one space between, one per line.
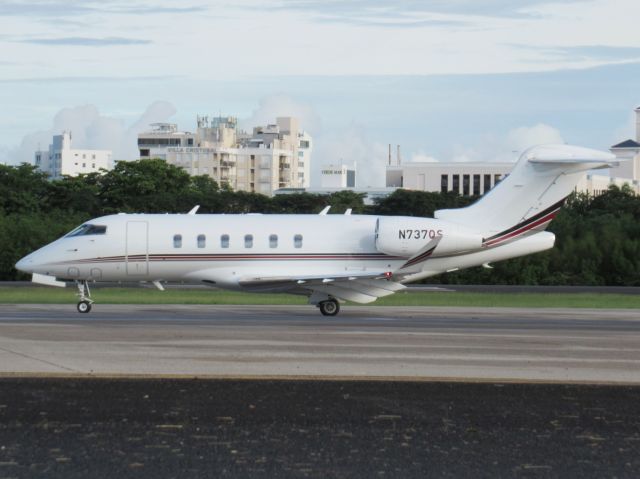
529 198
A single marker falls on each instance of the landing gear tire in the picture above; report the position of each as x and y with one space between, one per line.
330 307
84 307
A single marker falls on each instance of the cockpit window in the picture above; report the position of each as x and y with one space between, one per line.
88 229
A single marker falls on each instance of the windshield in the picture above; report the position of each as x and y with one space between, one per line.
88 229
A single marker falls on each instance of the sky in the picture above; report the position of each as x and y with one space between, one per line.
447 80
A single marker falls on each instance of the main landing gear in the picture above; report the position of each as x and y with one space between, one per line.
330 307
84 305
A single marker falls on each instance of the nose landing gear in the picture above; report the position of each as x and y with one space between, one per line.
84 305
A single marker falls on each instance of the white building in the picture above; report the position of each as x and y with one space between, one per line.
337 176
271 157
478 178
463 178
62 160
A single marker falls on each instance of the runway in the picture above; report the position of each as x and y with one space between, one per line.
254 391
411 343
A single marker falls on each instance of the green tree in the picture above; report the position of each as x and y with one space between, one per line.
342 200
145 186
22 189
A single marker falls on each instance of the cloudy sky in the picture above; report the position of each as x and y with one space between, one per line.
445 79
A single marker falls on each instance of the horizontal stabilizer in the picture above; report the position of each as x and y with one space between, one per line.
571 155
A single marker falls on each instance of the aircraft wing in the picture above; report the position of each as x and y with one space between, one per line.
356 287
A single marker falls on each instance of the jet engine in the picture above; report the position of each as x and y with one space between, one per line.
406 236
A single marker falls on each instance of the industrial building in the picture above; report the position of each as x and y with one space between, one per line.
270 157
476 178
62 160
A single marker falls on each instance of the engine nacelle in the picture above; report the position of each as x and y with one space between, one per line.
405 236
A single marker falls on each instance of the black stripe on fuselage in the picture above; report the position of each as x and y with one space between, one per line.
528 221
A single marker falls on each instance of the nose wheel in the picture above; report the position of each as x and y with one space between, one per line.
330 307
84 306
84 295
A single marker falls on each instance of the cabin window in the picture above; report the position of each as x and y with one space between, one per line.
202 241
177 241
273 241
297 241
224 241
248 241
88 229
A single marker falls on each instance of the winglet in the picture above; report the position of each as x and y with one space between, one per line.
325 211
193 210
348 212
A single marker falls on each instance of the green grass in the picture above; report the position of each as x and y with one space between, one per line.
46 295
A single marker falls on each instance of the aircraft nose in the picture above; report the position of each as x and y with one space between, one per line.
25 264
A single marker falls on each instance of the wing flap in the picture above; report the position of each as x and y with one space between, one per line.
359 287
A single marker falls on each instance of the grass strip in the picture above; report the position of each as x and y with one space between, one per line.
45 295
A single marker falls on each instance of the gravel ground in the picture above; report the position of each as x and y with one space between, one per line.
150 428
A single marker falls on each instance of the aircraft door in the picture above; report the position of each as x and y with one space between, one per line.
137 253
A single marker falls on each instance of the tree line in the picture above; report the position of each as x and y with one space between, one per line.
597 237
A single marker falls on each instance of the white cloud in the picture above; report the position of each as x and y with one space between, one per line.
91 130
351 147
422 157
520 139
508 147
274 106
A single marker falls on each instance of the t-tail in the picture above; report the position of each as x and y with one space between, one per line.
506 223
531 195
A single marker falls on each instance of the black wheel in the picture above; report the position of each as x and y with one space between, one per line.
330 307
84 307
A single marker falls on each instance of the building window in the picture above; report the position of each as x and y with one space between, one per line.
466 179
487 183
84 165
190 141
456 183
93 165
248 241
496 179
177 241
444 183
297 241
476 184
273 241
93 157
202 241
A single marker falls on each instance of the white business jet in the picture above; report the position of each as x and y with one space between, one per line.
328 258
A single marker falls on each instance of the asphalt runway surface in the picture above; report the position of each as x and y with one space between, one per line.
280 391
363 342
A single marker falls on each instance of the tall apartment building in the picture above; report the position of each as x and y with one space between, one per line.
270 157
62 160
